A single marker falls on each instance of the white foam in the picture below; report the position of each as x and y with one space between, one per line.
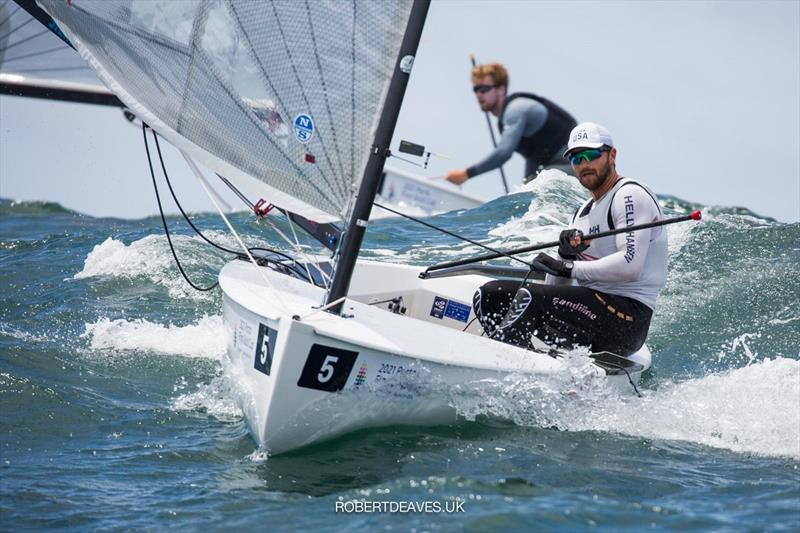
555 196
149 257
214 398
114 258
10 331
204 339
752 409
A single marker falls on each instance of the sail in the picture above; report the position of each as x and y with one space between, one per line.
280 97
36 62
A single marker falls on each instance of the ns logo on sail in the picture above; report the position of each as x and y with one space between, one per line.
303 128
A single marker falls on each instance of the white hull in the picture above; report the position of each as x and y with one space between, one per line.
419 196
304 381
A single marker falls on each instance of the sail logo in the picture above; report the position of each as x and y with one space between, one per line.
303 128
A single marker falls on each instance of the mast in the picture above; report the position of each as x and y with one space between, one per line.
377 157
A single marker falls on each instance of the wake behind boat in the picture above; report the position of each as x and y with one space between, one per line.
296 102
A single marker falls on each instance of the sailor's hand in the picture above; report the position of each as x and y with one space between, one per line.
457 176
550 265
571 243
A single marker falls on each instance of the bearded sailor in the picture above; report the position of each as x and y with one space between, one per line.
599 293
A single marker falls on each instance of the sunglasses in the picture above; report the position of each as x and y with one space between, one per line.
586 155
482 89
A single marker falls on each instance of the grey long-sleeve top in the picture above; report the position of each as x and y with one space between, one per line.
523 118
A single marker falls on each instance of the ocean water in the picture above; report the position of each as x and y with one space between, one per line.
116 412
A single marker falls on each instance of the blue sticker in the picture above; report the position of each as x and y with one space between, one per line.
439 304
457 311
303 128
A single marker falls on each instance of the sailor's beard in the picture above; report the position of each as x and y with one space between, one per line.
596 181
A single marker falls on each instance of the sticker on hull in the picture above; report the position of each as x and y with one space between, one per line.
327 368
265 348
442 307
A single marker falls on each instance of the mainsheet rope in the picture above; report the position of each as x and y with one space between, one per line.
164 220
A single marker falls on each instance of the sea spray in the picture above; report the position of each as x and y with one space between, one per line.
205 338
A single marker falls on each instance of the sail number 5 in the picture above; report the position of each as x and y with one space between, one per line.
326 371
327 368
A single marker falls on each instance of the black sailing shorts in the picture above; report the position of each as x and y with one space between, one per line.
561 316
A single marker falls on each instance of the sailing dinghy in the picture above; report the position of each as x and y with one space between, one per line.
296 102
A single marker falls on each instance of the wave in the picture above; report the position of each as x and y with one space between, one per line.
751 409
203 339
10 207
150 257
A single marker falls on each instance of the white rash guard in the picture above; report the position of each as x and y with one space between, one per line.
628 264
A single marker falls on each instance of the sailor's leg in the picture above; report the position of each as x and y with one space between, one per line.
502 309
492 301
570 316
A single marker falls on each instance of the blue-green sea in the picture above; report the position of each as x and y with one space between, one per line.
116 412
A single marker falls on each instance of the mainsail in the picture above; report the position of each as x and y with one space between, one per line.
280 97
36 60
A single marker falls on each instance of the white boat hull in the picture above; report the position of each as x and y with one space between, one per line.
419 196
307 380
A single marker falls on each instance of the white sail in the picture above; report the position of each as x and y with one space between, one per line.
280 97
34 61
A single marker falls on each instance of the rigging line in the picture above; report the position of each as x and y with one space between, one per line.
16 8
174 197
164 220
26 39
297 249
470 323
446 232
237 192
309 258
247 202
274 298
333 201
46 69
297 268
268 80
324 90
630 380
288 49
33 54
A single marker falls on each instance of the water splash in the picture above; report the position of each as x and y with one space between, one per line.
751 410
151 258
203 339
214 398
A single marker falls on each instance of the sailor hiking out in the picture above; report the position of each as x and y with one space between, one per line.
529 124
598 293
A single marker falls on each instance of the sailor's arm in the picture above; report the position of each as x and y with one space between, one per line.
514 124
509 140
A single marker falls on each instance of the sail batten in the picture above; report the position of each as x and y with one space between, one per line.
285 93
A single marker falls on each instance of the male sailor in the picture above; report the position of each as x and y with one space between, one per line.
599 293
529 124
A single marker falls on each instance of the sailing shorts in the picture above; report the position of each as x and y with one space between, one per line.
561 316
